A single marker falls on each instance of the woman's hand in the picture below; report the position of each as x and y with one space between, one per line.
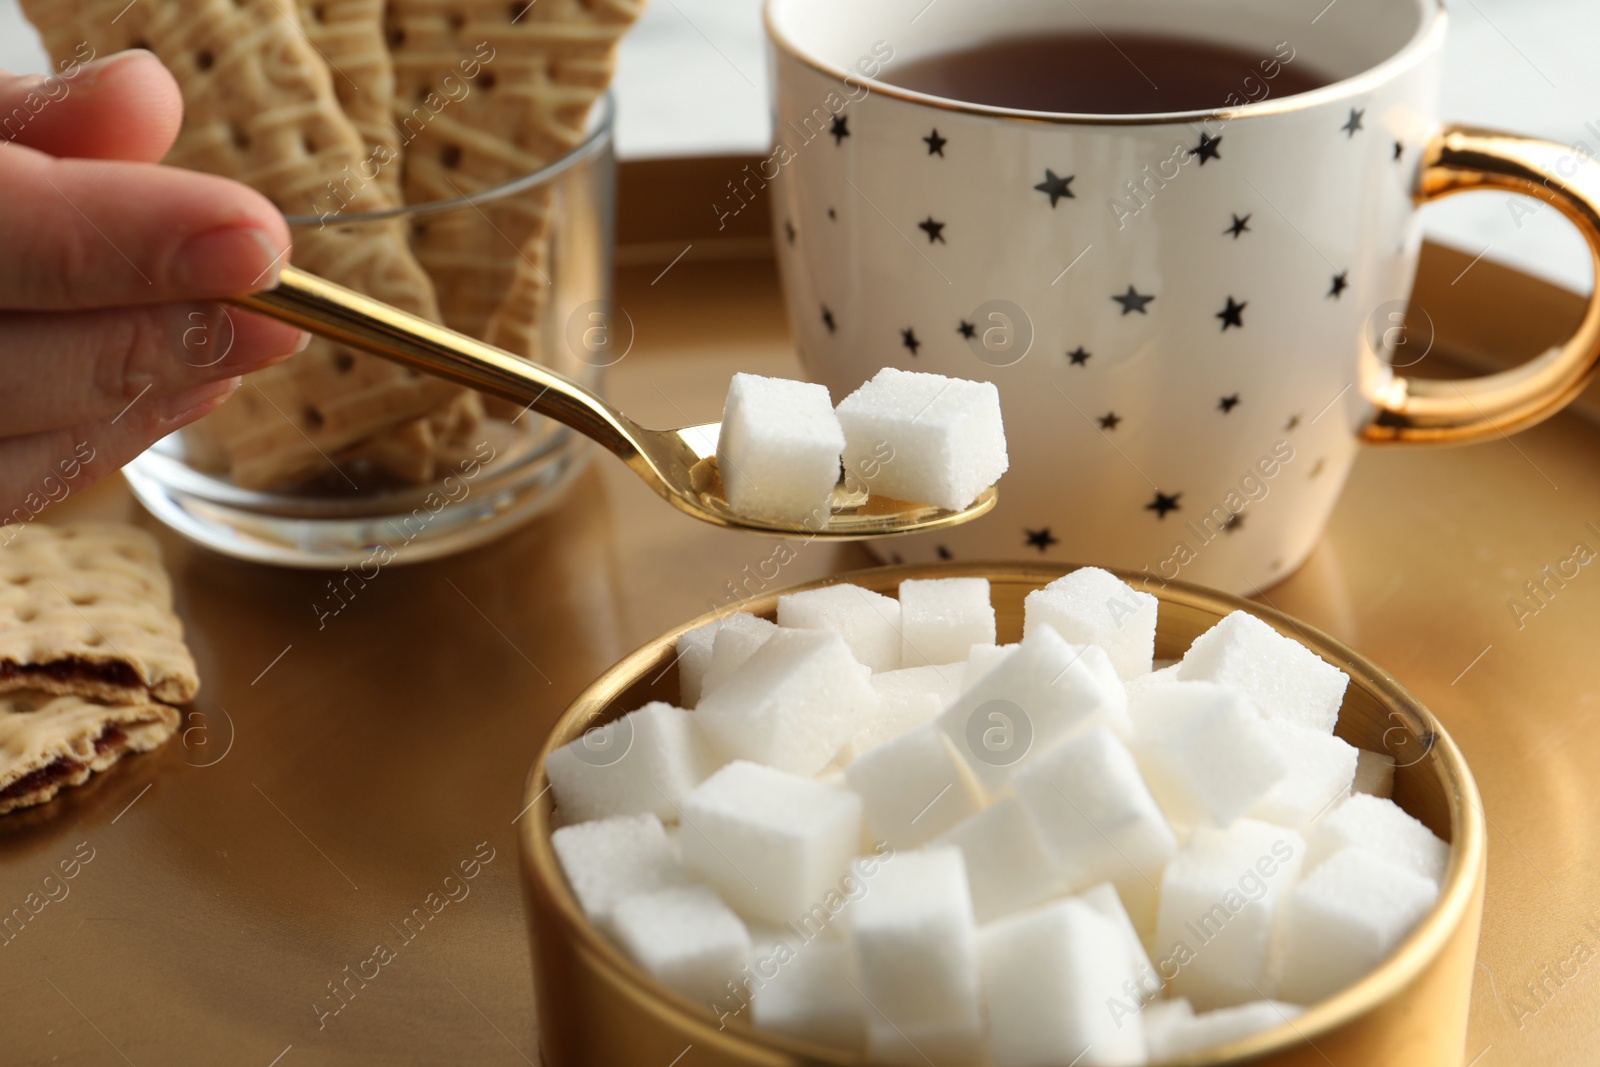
110 269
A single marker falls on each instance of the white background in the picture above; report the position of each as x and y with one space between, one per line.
693 81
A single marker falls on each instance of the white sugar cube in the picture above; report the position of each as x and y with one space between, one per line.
792 704
1283 678
943 680
814 996
694 652
1344 918
917 950
1105 899
907 698
608 860
898 713
1091 606
1321 768
1008 867
1094 812
1162 1021
914 787
735 641
1380 826
942 618
1374 774
1205 751
1221 897
1164 676
685 938
1048 975
779 448
869 622
1172 1029
646 761
1046 690
772 843
981 659
924 437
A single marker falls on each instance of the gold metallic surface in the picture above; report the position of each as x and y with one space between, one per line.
1459 160
387 744
680 465
599 1011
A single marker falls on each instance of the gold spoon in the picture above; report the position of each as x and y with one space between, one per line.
681 465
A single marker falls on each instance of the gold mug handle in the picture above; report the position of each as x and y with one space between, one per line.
1457 160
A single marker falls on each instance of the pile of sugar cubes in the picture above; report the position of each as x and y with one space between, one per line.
879 831
916 437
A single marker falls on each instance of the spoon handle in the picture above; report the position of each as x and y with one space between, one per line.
345 316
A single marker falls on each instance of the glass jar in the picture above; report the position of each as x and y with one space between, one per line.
466 472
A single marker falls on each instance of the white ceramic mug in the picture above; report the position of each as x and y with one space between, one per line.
1191 317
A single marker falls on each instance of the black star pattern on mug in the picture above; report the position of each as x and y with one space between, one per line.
1399 150
936 143
1133 300
1055 186
1354 123
967 330
1240 225
908 337
1235 522
1079 357
1163 503
934 230
1207 148
896 558
840 129
1109 420
827 318
832 214
788 229
943 552
1294 420
1228 403
1233 314
1316 468
1040 539
1341 282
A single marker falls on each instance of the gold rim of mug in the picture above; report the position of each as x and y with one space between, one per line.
1428 38
1425 943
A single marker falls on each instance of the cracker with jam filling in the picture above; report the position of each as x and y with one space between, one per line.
48 742
86 611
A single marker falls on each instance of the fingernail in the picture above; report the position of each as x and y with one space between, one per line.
230 261
300 345
192 403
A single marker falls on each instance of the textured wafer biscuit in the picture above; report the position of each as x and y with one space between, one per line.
486 92
348 34
48 741
405 452
260 107
86 609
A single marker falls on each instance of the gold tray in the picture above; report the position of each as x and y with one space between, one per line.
328 780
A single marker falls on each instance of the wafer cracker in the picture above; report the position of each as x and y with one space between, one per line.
260 107
48 741
405 452
348 34
86 610
487 92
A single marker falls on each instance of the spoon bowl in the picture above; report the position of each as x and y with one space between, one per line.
680 465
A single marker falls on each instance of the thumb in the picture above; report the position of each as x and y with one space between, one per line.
124 106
